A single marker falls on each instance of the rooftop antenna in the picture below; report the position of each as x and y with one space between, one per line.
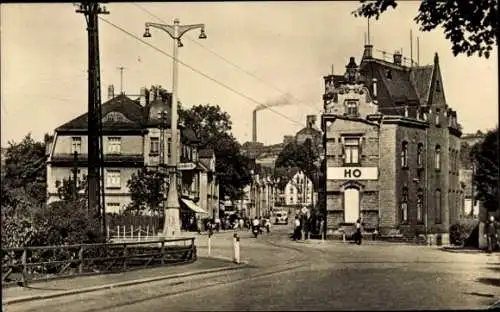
121 68
411 48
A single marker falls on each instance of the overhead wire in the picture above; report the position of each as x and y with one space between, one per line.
200 72
230 62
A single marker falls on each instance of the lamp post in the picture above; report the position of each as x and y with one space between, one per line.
171 226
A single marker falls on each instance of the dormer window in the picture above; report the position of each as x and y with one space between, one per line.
436 117
351 108
438 86
388 74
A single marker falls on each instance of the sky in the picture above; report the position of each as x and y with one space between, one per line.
280 51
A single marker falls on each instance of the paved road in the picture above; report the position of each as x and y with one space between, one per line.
321 276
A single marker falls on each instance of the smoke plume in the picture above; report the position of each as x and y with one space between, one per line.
285 99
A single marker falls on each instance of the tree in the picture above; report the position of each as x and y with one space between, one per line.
146 190
470 26
213 128
303 156
486 175
24 174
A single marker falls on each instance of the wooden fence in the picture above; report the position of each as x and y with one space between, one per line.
24 264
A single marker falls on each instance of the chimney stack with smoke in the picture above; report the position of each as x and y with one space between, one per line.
284 100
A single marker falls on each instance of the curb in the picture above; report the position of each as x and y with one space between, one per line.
495 305
120 284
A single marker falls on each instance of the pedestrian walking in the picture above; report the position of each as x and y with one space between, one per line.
358 235
492 235
242 223
267 224
296 229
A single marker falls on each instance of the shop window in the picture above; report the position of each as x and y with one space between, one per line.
351 150
404 154
404 205
437 158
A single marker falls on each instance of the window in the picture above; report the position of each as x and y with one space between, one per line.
438 158
404 155
76 145
438 86
420 151
352 108
291 199
351 150
420 205
114 145
437 198
169 147
112 207
436 117
113 179
291 190
155 146
404 205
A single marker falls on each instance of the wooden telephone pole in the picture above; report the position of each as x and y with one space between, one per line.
96 207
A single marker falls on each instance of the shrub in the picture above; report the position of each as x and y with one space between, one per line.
461 230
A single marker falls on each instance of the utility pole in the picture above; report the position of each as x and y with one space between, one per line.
171 226
91 10
121 68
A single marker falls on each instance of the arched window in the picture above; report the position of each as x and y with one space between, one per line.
404 204
437 158
420 205
404 154
420 152
438 212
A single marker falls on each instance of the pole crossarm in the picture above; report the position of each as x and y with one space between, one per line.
170 29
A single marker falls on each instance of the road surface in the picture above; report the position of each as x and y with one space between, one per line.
289 275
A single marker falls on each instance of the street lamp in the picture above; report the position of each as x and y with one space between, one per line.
171 226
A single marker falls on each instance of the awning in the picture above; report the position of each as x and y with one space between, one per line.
191 205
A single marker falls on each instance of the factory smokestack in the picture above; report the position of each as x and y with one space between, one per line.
283 100
254 125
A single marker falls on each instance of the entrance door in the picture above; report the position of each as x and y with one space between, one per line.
351 205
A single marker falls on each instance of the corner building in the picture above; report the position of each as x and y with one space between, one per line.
392 148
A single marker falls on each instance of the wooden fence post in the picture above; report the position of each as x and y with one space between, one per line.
25 269
124 231
131 231
107 231
118 231
162 250
80 257
125 255
147 230
139 233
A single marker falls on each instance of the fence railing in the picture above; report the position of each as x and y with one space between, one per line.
24 264
130 232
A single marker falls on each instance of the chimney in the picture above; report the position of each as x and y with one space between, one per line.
143 97
368 53
111 92
310 120
254 125
397 58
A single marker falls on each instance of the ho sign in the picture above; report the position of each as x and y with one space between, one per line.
352 173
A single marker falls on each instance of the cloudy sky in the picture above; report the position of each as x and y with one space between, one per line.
272 51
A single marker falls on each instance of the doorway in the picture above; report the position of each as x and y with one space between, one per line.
351 205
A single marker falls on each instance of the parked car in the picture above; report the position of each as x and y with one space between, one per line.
280 217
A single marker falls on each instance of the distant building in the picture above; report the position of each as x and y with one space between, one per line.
392 147
132 140
295 189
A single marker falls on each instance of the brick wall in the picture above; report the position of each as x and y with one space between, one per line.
387 172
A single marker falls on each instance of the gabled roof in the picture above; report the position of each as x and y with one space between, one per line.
309 130
285 175
130 109
421 78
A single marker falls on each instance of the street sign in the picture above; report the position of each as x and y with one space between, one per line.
186 166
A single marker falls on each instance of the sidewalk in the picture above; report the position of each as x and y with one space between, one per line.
82 284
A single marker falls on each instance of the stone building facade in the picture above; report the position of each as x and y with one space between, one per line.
392 148
132 140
